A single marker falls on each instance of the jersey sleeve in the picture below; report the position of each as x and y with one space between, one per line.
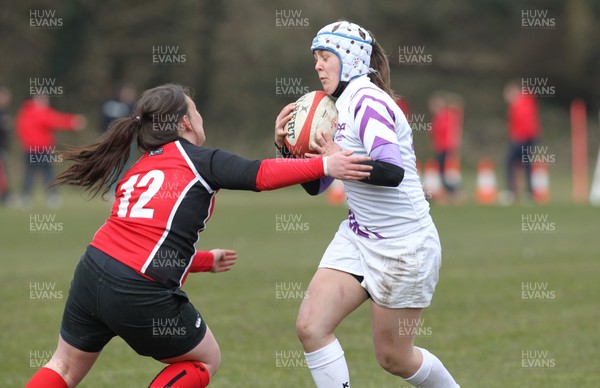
203 261
223 170
313 187
316 187
375 122
277 173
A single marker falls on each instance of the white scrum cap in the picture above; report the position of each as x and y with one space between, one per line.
351 43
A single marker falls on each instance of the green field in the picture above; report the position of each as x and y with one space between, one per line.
513 308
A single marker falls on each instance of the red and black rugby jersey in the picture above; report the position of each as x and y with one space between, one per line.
166 198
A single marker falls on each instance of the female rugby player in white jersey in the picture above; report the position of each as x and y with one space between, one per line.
388 249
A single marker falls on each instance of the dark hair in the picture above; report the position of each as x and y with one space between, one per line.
380 62
155 122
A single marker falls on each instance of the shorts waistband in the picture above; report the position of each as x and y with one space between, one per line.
110 270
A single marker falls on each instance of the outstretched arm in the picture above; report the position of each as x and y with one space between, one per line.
215 260
223 170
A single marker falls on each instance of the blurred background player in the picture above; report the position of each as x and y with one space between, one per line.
5 123
35 125
128 282
523 134
446 126
388 250
404 106
119 106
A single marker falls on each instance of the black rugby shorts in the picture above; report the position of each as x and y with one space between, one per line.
154 320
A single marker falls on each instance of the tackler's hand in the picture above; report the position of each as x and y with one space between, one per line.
224 259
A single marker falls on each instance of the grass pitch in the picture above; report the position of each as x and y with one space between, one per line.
517 304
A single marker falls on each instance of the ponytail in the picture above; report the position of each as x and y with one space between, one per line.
98 166
381 65
155 122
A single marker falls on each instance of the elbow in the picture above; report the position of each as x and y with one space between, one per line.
399 177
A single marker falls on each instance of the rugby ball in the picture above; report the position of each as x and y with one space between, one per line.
314 112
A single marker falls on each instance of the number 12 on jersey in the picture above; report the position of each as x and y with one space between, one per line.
151 183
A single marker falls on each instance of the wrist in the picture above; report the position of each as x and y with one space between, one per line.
325 170
203 261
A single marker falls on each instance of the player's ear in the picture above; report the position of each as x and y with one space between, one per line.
186 124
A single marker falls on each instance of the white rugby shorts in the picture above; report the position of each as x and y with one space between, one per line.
398 272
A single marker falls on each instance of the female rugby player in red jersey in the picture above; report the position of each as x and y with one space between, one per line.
128 282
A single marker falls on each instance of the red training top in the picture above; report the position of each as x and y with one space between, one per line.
445 130
403 104
523 121
36 124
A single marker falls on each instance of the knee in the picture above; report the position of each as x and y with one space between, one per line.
213 364
396 362
304 329
310 332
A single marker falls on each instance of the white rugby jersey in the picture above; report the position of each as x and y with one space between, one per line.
368 118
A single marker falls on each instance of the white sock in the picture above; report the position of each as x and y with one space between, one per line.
432 373
328 366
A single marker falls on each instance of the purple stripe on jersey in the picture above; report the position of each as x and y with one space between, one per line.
369 114
374 233
354 225
363 98
385 151
378 142
356 228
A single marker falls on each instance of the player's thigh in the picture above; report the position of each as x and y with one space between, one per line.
206 352
330 297
73 364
